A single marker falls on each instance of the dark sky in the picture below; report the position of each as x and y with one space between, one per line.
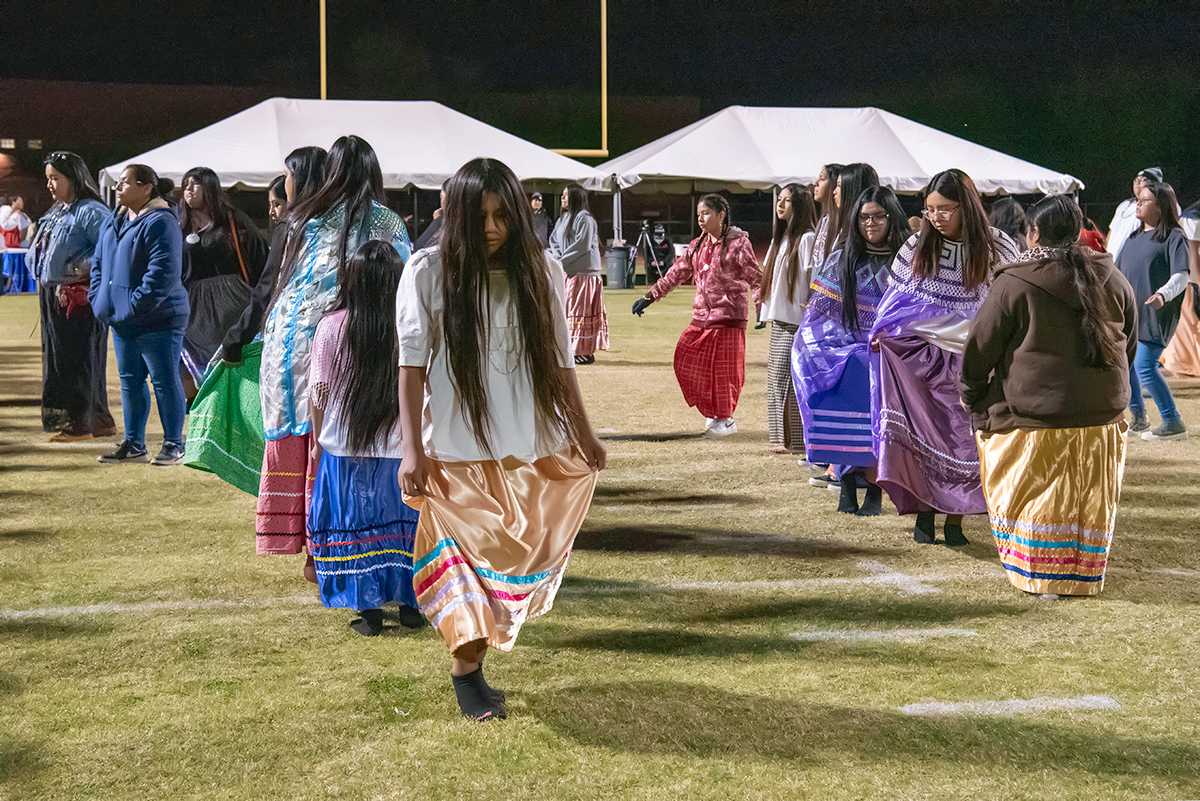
1090 88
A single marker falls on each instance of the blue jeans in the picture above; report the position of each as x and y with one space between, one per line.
154 355
1144 370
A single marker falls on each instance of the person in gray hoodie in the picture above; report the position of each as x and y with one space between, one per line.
1046 375
575 242
137 289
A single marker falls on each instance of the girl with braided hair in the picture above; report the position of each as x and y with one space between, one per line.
710 359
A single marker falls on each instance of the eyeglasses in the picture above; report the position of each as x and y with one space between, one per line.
873 219
938 214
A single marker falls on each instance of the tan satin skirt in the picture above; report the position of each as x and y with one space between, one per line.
1052 498
493 542
1182 356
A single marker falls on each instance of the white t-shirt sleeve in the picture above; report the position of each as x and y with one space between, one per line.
559 309
417 301
1191 228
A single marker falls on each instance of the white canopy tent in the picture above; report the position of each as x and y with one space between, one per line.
744 148
419 144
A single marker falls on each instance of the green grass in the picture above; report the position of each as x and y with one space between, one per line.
636 685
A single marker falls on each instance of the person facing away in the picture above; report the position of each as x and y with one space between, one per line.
355 408
1045 373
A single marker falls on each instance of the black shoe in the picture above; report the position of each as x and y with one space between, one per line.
370 624
872 505
126 453
923 530
171 454
411 618
475 698
954 535
848 500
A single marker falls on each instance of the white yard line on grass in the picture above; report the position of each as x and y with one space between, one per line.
879 575
191 605
683 507
894 635
1016 706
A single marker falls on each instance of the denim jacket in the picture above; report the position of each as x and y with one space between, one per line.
62 250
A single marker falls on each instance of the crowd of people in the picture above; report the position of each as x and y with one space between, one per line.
409 418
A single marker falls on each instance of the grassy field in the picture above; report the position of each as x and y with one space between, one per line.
723 633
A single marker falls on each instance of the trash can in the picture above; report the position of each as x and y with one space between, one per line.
617 264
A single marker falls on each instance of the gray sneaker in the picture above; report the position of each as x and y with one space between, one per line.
171 454
1140 423
1170 429
125 453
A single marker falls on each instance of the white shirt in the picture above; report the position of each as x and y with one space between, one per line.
777 307
1124 223
14 221
445 432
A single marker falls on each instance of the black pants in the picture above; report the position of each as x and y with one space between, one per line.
74 357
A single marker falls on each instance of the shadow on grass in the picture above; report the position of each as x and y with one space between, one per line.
818 611
692 720
27 535
643 494
43 468
20 762
667 436
51 628
714 542
12 403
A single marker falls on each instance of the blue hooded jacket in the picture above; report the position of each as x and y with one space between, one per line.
137 272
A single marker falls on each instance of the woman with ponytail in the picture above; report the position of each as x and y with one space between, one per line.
1045 374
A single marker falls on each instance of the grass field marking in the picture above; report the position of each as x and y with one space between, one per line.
894 635
879 574
1172 571
1015 706
191 605
686 507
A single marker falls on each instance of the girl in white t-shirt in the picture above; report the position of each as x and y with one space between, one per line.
499 456
360 529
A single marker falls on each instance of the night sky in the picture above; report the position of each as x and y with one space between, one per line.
1096 89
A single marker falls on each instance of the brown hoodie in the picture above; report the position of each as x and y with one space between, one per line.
1025 364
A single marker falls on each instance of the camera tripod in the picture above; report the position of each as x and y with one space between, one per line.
645 245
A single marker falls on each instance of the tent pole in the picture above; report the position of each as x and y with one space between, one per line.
692 211
618 221
323 84
412 193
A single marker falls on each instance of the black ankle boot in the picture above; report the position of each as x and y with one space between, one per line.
872 505
954 535
848 501
923 530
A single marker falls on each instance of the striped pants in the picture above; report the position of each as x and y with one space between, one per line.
783 412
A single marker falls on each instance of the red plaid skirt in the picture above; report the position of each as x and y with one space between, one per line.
281 519
710 364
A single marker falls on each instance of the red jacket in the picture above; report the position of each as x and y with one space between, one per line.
725 272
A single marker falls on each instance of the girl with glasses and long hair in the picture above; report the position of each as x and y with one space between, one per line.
74 341
926 452
783 294
326 228
225 427
223 259
710 358
1046 375
1154 259
575 241
499 457
831 360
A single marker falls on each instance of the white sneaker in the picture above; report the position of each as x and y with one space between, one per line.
722 427
708 423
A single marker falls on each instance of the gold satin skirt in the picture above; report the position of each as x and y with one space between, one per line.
1052 499
1182 356
493 541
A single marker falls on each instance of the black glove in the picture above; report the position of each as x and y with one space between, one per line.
640 305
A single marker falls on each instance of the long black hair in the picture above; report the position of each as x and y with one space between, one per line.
365 374
854 178
72 166
353 178
1007 215
804 219
1058 219
828 207
308 166
856 249
276 187
1168 217
216 200
466 290
577 201
978 242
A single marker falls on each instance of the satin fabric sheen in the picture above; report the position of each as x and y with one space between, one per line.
493 541
924 442
225 431
586 318
1182 356
1052 499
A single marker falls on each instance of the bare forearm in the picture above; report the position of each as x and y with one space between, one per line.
412 403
